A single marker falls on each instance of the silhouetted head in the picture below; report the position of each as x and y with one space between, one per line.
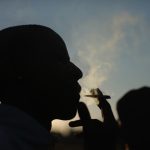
36 74
133 110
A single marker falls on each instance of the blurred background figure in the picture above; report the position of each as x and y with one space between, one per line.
133 110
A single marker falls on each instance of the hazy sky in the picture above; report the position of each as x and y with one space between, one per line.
107 39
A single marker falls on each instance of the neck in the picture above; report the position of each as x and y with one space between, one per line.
36 112
38 115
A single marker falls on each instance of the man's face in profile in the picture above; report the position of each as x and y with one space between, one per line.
59 80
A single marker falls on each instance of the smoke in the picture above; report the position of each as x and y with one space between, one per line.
98 47
97 50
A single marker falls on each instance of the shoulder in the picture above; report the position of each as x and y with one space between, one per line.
20 131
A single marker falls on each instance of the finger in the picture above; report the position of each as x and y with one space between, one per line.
107 113
76 123
102 99
79 123
84 113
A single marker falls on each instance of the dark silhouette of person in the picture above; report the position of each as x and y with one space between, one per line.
98 134
133 111
38 83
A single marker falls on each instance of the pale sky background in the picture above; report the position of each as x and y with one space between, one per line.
107 39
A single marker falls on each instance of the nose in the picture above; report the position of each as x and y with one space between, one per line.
77 73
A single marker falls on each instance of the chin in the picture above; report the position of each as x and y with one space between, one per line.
68 114
68 109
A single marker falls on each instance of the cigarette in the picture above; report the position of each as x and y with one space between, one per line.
96 93
96 96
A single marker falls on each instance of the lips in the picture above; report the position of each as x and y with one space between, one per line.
75 90
78 88
75 86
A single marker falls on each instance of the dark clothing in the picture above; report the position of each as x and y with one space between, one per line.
19 131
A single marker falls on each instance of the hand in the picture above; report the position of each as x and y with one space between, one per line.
97 133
